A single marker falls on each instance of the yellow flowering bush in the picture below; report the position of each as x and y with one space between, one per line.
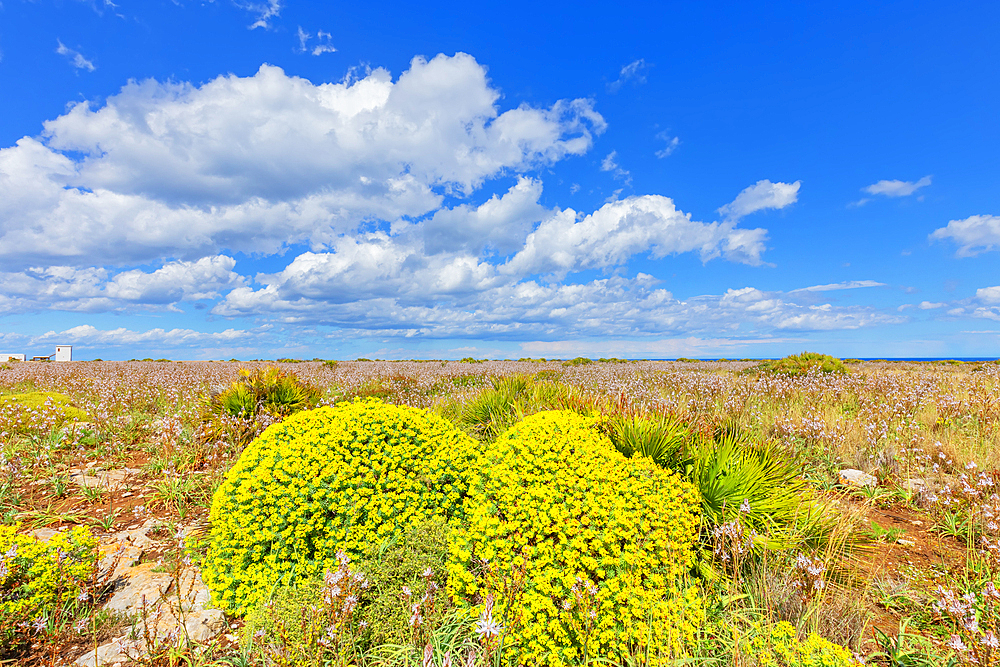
37 576
574 549
337 478
779 646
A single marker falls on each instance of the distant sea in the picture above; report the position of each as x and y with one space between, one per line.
867 359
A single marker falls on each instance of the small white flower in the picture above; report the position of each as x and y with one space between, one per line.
486 626
956 643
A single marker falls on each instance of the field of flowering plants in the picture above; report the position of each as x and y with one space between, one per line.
503 513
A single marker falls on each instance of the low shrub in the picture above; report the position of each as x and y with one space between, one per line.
410 567
575 550
800 364
779 646
578 361
509 399
312 623
22 411
657 436
257 399
38 578
343 478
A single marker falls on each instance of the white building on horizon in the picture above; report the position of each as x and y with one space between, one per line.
62 353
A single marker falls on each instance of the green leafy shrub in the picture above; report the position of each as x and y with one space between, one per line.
567 526
779 646
754 484
38 577
313 623
346 477
281 619
800 364
578 361
415 561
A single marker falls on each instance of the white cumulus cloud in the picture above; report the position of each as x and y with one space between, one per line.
760 196
620 229
975 234
989 294
93 289
256 163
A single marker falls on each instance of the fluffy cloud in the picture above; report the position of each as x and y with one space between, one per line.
760 196
89 335
614 306
500 224
169 176
254 163
989 294
92 290
897 188
441 260
621 229
975 234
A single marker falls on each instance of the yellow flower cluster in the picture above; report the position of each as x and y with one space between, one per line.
341 478
580 549
35 576
779 646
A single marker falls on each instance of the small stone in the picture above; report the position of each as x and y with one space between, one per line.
116 651
917 523
857 478
905 542
915 485
109 479
204 625
43 534
140 582
194 594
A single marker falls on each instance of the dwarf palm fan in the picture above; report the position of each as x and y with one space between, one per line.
238 400
509 399
752 482
239 412
756 486
496 408
660 437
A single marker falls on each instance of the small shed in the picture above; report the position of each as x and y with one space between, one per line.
64 353
11 357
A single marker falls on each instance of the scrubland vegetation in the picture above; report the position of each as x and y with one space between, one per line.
515 513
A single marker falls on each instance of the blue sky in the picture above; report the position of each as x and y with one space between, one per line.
652 180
